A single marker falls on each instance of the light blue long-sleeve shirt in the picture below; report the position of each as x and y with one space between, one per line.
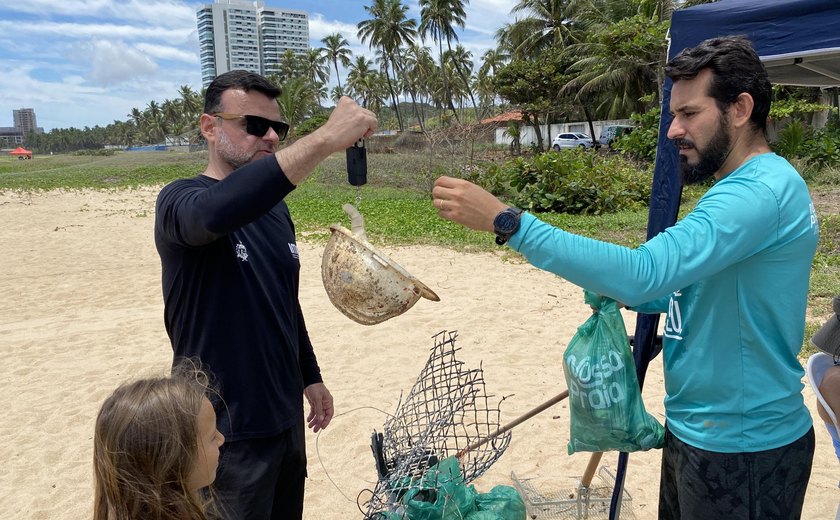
733 278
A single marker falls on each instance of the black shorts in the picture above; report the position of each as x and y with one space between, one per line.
698 484
262 479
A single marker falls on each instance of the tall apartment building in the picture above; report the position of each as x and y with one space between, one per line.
238 34
25 120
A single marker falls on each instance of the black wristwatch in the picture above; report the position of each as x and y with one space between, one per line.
506 224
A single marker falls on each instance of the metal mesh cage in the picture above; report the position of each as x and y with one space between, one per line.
446 413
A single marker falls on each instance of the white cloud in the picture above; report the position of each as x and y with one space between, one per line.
319 27
161 12
113 63
77 30
164 52
488 16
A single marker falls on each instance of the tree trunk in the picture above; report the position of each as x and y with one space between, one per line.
412 94
393 94
466 82
591 126
446 91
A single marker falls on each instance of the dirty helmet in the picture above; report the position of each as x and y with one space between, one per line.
362 282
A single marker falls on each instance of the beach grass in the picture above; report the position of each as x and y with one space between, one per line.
396 204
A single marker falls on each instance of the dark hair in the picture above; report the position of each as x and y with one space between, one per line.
735 68
236 80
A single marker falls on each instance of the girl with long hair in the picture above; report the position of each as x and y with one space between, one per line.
156 447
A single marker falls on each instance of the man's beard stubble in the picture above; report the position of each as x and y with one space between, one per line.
228 152
711 158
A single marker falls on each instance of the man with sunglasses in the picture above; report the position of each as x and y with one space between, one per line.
230 286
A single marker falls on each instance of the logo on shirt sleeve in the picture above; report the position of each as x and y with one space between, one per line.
294 250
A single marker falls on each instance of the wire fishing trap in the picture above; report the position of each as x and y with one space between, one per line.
445 423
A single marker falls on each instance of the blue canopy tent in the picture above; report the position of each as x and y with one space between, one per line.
798 42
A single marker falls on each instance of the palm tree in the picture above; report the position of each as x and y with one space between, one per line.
491 60
192 105
288 67
372 89
313 66
547 23
621 56
336 49
336 93
461 59
388 30
154 126
136 116
359 70
420 69
438 18
297 100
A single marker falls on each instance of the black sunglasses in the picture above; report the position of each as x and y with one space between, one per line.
256 125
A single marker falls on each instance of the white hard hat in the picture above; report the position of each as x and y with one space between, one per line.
363 283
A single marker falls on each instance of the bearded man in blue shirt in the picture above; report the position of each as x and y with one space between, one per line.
732 278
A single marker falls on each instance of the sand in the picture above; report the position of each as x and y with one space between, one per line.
82 312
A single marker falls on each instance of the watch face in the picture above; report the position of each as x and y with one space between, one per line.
506 222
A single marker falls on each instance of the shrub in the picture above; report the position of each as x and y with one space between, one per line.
100 152
641 142
818 149
570 181
310 125
791 139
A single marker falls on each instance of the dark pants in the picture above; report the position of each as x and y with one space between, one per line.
262 479
698 484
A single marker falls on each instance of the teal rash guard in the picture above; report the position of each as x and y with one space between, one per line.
732 278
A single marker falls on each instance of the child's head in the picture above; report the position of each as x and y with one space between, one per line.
155 446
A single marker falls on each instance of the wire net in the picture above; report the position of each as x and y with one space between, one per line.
446 413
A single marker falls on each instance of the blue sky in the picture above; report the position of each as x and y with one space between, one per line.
83 63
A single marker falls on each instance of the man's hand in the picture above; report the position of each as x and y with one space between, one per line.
466 203
320 406
347 124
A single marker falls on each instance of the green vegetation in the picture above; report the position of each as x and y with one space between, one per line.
47 172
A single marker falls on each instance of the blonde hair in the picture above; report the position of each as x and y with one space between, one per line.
145 446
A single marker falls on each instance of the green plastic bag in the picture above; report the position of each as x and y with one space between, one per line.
605 402
500 503
442 494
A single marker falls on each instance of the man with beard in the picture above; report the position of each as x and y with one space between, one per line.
230 286
732 278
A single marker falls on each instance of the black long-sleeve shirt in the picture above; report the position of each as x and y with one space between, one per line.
231 274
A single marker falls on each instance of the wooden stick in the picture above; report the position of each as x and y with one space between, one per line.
594 459
548 404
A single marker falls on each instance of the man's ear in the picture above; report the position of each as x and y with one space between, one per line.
741 110
207 125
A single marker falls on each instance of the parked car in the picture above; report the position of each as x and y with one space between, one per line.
610 133
573 140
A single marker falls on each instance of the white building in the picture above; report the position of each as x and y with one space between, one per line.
239 34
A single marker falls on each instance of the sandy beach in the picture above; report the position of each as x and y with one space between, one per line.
82 312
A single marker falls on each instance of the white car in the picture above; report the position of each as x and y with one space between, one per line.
573 140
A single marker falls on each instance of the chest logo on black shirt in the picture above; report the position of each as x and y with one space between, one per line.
241 252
